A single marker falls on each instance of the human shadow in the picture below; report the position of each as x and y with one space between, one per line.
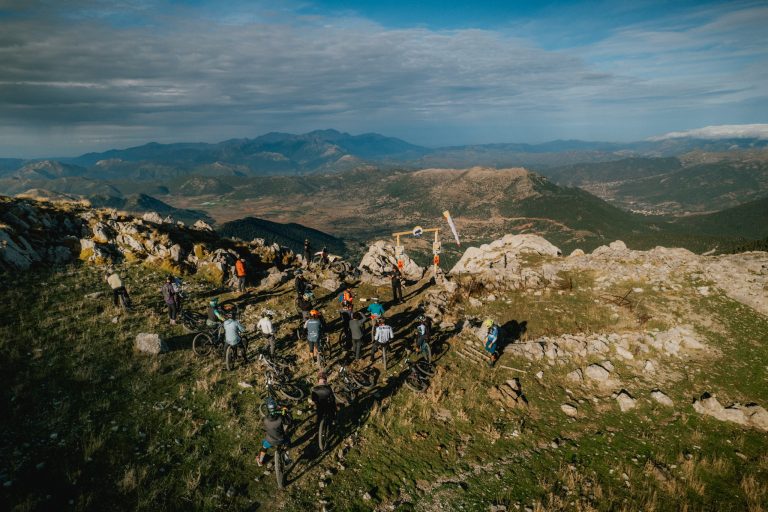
511 332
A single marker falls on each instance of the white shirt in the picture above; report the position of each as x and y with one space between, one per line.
384 334
265 325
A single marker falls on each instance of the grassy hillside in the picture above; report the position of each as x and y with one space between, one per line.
749 220
604 172
92 425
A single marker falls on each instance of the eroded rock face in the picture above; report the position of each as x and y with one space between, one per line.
501 255
750 415
380 261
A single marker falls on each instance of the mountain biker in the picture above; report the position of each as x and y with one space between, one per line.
276 430
397 287
491 341
169 296
307 252
324 399
265 326
345 313
421 332
232 330
375 311
241 274
179 294
215 314
118 289
382 337
304 304
300 283
356 331
314 329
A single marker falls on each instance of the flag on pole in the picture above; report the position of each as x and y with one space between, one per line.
447 216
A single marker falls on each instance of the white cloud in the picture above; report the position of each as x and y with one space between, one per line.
725 131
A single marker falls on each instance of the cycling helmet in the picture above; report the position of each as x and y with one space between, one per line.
269 313
214 302
309 295
488 323
314 312
421 318
298 272
271 405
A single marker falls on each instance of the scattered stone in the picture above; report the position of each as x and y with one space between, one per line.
150 343
750 415
94 295
662 398
576 375
570 410
625 400
597 373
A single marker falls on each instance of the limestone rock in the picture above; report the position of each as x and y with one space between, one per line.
201 225
153 217
626 401
570 410
751 415
380 260
150 343
597 373
576 253
662 398
275 277
500 253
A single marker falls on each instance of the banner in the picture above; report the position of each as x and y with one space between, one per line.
447 216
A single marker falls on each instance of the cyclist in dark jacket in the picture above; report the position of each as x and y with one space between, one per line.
324 399
275 429
356 330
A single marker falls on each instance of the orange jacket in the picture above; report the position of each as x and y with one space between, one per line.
240 268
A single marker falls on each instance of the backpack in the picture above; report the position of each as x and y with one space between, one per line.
313 331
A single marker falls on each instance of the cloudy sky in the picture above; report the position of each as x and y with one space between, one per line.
82 75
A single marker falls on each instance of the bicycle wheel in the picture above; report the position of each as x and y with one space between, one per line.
202 344
425 368
322 434
229 357
415 383
426 351
279 467
263 411
325 348
289 392
362 379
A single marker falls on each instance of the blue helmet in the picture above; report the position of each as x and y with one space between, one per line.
271 405
214 302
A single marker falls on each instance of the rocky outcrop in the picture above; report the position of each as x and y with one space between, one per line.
499 265
34 232
380 261
750 415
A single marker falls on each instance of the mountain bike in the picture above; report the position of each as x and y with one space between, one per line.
205 341
323 350
423 347
350 383
282 461
280 390
230 354
276 370
192 321
414 379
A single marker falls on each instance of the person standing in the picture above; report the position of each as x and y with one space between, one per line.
118 289
307 252
169 296
356 331
232 331
491 341
241 274
266 328
397 287
381 339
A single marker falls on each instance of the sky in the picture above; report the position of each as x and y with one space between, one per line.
88 75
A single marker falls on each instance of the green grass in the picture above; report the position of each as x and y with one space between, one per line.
176 432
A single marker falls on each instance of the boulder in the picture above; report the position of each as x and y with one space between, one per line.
625 401
751 415
15 252
597 373
499 255
201 225
380 261
576 253
570 410
153 217
150 343
662 398
274 278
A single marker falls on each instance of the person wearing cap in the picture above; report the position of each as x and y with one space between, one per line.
324 399
491 341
